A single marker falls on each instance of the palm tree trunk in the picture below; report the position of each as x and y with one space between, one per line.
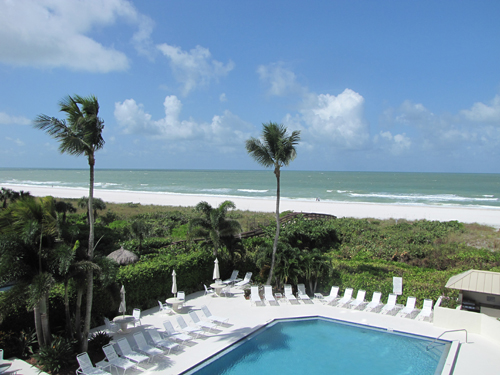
38 325
90 273
44 317
276 237
69 331
78 313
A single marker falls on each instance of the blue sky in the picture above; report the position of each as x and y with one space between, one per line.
372 85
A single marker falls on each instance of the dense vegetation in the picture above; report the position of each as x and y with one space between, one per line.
362 254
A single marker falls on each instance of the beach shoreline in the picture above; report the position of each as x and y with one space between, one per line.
483 216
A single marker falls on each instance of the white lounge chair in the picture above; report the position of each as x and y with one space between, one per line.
255 297
390 306
209 291
360 299
116 361
301 293
188 329
86 366
130 354
234 278
426 310
289 295
245 281
409 308
159 342
110 326
333 296
136 313
165 308
346 298
173 334
215 319
144 347
268 295
374 303
200 323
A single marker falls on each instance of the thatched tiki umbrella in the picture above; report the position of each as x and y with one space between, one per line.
123 257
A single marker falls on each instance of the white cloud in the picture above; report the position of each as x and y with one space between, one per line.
225 131
194 68
396 144
281 80
481 112
6 119
469 129
17 141
336 120
223 97
53 33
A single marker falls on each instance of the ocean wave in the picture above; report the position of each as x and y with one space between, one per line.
253 191
218 190
436 197
35 183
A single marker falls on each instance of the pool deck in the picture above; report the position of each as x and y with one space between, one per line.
479 355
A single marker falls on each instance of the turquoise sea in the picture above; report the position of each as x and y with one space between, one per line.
442 189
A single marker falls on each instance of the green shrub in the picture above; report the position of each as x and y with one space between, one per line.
56 356
97 340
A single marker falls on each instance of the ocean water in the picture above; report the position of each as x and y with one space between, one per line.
434 189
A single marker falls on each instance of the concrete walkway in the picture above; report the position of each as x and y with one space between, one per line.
479 355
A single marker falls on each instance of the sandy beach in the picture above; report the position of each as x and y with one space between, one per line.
490 217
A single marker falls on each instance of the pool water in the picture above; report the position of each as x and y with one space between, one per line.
325 346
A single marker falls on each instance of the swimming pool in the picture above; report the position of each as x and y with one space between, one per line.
321 345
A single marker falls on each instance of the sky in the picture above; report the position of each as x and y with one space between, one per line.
402 86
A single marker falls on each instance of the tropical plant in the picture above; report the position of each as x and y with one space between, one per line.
28 224
139 229
214 224
97 340
79 134
276 149
97 204
52 358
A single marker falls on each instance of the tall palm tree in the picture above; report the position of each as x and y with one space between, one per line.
214 225
275 149
79 134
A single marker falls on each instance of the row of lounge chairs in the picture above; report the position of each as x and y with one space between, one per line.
160 343
375 305
347 301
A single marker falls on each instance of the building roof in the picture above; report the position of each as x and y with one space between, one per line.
476 281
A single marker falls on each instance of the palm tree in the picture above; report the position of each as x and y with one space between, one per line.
79 134
214 225
32 223
276 149
97 204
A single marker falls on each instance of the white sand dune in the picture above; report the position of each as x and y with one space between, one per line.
485 216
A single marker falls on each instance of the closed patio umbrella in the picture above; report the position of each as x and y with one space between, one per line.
174 284
123 306
216 270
